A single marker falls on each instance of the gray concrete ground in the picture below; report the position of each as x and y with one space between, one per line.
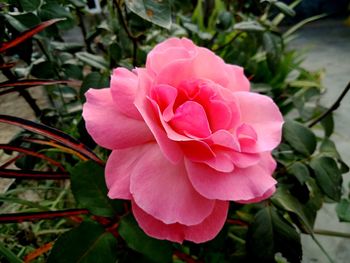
327 46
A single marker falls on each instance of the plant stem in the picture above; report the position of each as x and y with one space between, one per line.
322 249
124 24
335 106
20 217
331 233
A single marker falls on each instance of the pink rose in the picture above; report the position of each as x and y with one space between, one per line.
187 137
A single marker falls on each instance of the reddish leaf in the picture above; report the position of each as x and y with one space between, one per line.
54 134
7 65
20 217
32 153
28 34
56 145
37 252
34 82
28 174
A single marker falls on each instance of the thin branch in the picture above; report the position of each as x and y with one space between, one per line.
331 233
20 217
133 38
335 106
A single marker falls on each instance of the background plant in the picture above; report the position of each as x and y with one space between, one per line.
72 219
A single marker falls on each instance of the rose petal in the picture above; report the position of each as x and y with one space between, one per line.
238 81
241 185
109 127
164 191
190 118
171 149
157 60
123 89
263 115
205 65
200 233
164 96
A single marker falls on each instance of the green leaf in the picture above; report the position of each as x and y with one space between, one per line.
328 125
328 148
283 199
343 210
8 254
44 70
249 26
30 5
93 60
93 80
302 139
328 176
285 9
155 11
269 234
88 243
89 189
154 249
300 171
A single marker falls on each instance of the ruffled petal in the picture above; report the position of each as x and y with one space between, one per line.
123 89
110 128
263 115
170 149
190 119
241 185
200 233
164 191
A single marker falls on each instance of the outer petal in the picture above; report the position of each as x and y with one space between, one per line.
123 89
205 65
263 115
109 127
118 169
164 191
242 185
238 81
202 232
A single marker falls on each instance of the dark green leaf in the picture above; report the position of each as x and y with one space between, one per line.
269 234
89 188
300 171
283 199
343 210
27 20
155 11
93 60
328 148
44 70
328 176
302 139
328 125
285 9
249 26
94 80
153 249
30 5
8 254
54 10
88 243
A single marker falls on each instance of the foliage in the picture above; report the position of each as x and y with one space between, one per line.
36 51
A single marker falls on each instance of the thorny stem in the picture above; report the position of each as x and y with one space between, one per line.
335 106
